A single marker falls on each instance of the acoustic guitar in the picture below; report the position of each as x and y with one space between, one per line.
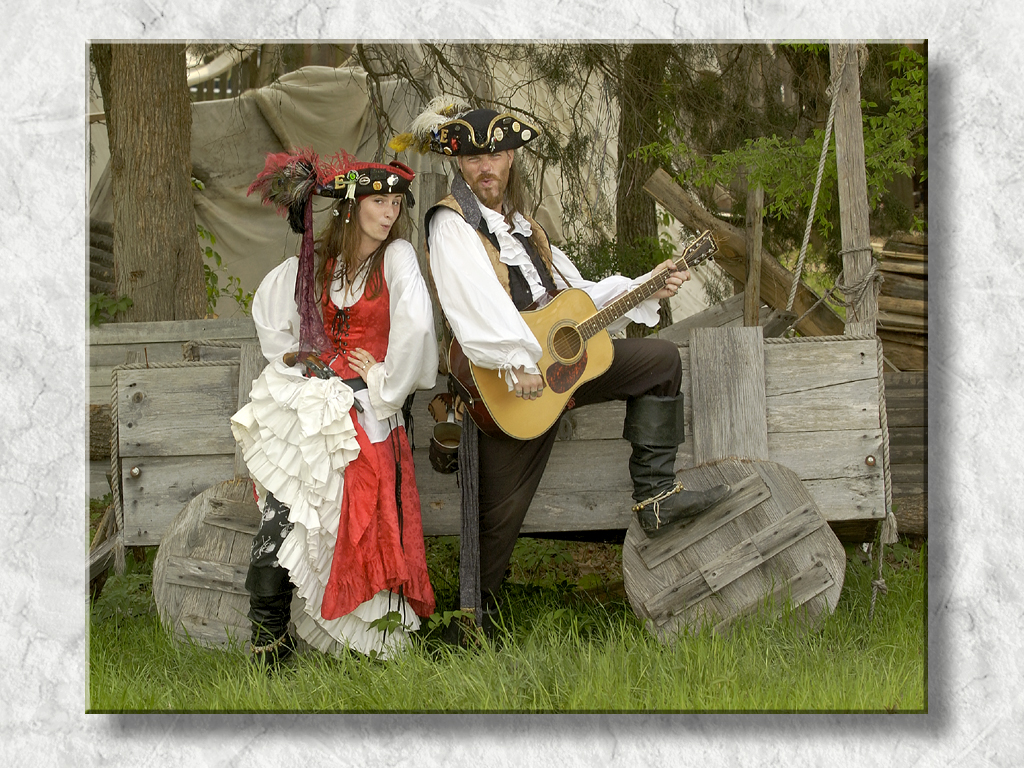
576 348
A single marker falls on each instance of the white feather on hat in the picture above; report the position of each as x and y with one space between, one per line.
439 111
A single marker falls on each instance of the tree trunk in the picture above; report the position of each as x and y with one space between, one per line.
643 74
157 261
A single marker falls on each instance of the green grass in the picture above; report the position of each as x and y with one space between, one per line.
571 643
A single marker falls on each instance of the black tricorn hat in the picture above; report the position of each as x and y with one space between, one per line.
342 176
480 132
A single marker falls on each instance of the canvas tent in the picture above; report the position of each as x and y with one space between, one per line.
326 109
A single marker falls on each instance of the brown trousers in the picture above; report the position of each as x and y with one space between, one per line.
510 470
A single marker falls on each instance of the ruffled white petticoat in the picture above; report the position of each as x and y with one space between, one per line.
297 437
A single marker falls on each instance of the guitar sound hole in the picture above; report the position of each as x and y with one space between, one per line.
566 343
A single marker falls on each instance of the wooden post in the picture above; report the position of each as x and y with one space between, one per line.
250 364
433 187
755 222
853 188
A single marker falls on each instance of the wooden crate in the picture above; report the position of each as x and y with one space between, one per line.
158 342
821 400
110 345
174 440
822 408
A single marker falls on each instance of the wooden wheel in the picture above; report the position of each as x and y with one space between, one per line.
200 567
766 546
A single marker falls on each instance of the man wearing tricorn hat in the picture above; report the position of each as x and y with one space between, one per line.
489 262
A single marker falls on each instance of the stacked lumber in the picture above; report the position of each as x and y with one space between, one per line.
906 401
903 301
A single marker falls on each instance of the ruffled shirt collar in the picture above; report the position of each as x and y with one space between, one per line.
511 250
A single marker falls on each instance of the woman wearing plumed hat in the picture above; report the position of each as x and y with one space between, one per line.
348 333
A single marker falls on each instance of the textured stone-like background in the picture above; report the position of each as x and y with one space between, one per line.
976 611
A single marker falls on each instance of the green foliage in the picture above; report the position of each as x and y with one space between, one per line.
211 269
126 596
786 164
213 266
598 256
104 309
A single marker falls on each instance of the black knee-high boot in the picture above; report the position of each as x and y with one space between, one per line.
270 601
270 588
654 426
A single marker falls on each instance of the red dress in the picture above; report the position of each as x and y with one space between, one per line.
380 541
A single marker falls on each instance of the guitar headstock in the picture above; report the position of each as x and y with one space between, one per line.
701 249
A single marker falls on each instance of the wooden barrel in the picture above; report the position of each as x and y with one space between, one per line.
200 567
765 547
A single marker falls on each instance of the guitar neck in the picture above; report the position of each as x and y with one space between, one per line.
633 298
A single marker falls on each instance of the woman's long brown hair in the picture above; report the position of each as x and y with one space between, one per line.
337 245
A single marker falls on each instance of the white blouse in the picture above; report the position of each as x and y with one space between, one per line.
487 324
411 360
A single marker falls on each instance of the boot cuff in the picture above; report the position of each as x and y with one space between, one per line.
654 421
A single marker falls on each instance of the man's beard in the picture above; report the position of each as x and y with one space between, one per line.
492 196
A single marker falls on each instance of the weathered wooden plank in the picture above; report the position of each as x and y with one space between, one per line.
603 421
206 574
761 547
176 411
250 364
724 570
902 305
802 366
684 594
798 590
853 405
852 180
214 545
820 455
725 314
105 357
904 267
906 417
906 379
100 559
902 321
172 330
199 570
206 631
849 498
745 494
904 287
164 486
907 444
907 489
241 516
727 381
550 511
909 473
754 231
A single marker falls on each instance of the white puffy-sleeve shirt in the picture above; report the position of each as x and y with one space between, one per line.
490 330
411 360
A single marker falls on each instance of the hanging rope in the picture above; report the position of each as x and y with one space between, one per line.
832 91
888 531
853 292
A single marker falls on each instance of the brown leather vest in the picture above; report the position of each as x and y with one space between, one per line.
538 240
